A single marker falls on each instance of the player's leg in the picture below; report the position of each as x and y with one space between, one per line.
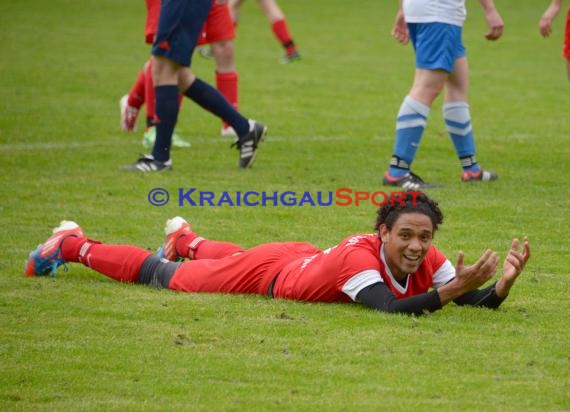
167 106
458 122
249 272
68 244
219 32
411 121
179 25
149 94
172 53
250 133
131 103
280 29
226 77
149 136
234 7
181 242
429 80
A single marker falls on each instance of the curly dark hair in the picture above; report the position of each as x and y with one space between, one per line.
408 202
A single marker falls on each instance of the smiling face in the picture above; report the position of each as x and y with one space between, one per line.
406 245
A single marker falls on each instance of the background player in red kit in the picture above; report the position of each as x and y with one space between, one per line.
180 23
279 26
391 270
545 27
219 32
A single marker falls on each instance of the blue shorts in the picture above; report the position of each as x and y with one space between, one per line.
179 27
437 45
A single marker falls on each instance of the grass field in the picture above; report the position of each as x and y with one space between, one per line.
82 342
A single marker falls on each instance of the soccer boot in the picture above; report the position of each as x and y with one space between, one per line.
46 258
290 57
129 115
480 176
248 145
410 181
173 229
150 136
147 163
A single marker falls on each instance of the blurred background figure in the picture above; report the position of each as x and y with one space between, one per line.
545 27
278 23
218 32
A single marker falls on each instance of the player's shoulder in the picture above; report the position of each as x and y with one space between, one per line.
361 244
361 239
360 251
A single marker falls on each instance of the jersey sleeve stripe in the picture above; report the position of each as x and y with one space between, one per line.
359 281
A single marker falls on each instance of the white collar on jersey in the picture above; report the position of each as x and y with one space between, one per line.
395 283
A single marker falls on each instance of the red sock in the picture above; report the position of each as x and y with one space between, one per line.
119 262
227 84
149 91
137 93
196 247
282 33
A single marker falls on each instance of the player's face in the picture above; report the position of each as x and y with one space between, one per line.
406 245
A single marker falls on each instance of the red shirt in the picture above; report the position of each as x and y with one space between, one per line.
340 272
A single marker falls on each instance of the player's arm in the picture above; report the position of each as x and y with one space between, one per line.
467 278
379 297
400 29
486 297
545 23
494 20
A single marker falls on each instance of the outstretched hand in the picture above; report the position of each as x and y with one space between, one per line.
475 275
513 266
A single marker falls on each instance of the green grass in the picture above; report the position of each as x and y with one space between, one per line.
82 342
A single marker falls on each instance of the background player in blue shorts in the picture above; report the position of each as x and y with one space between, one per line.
179 26
435 27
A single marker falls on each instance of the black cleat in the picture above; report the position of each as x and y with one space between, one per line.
147 163
248 145
410 181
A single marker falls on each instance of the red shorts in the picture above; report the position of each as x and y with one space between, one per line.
567 36
218 26
250 272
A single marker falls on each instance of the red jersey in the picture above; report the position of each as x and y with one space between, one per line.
339 273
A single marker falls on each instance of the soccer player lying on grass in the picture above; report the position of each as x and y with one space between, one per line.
391 270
